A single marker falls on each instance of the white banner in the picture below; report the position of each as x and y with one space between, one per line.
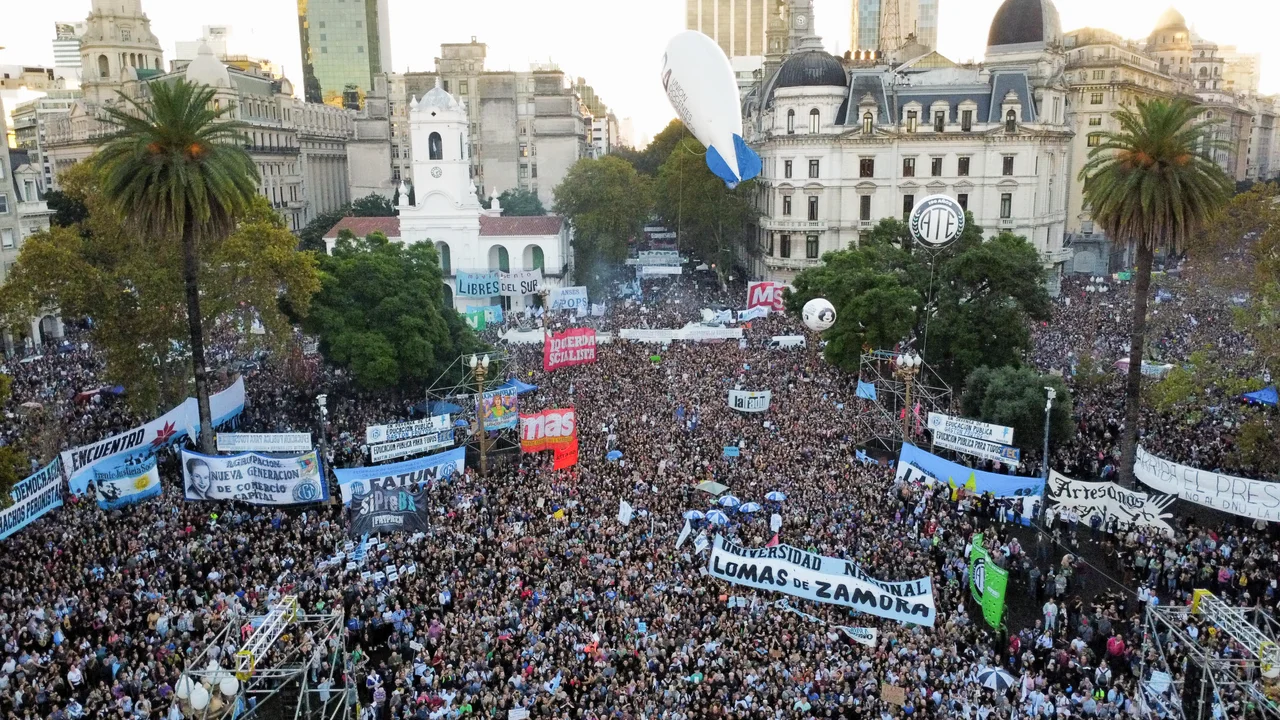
516 284
862 636
37 495
978 448
970 428
264 442
253 478
667 258
625 512
412 446
753 313
406 430
1105 499
695 333
750 400
569 298
794 572
1257 499
660 270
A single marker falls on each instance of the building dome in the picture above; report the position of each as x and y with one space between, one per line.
437 98
1025 22
812 68
207 69
1171 19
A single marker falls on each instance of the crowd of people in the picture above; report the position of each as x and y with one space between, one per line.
530 595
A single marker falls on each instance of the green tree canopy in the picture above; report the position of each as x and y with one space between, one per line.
1015 396
381 313
67 211
311 237
13 462
607 202
372 205
520 202
649 160
972 300
711 219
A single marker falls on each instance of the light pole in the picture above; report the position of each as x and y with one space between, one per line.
1044 491
481 367
905 367
322 402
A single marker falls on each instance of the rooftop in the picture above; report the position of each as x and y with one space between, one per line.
489 226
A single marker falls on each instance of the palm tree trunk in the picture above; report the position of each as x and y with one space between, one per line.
195 326
1133 383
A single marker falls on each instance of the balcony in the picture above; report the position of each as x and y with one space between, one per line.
769 223
1054 257
791 263
33 208
271 149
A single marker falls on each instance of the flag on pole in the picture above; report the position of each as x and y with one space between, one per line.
773 542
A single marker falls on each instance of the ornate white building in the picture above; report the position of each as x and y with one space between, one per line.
845 148
446 212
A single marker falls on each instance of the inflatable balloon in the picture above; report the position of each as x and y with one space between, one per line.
183 688
199 697
818 314
703 91
229 685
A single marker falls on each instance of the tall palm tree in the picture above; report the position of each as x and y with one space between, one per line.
1153 184
177 170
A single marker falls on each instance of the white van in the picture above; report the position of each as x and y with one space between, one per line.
787 342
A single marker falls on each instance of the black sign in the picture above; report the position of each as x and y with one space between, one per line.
387 510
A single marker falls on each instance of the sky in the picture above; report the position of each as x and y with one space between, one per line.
616 45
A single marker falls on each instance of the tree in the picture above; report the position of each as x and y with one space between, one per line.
311 237
965 306
711 218
13 462
372 205
67 211
381 313
1015 397
649 160
1152 184
607 202
520 202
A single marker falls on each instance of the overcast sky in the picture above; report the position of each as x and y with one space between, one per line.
616 45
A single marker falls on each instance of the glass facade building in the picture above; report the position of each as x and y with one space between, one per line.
344 44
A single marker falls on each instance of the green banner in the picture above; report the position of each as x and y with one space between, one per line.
987 582
476 320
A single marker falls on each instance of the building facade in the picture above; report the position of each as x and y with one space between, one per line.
66 46
22 212
345 43
737 26
887 25
844 148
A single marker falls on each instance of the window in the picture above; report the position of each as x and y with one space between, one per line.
1095 121
1008 165
321 24
524 170
504 259
524 149
908 202
814 119
539 260
324 50
6 239
966 120
935 167
359 23
534 169
1095 98
908 167
446 85
913 119
323 37
811 247
784 245
770 247
963 199
786 204
435 149
1095 139
786 169
1011 121
867 167
962 167
939 121
462 87
813 168
868 123
125 35
1006 206
1099 74
791 122
864 208
813 208
359 48
4 203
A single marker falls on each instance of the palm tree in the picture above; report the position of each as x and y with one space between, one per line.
1153 184
175 169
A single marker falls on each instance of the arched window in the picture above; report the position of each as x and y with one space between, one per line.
157 63
446 261
434 149
448 295
1011 121
104 68
867 122
504 259
813 121
791 122
461 152
1204 72
538 260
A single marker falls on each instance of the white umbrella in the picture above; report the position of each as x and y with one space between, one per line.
749 507
776 496
729 501
715 517
996 679
693 515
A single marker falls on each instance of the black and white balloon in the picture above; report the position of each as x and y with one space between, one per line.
818 314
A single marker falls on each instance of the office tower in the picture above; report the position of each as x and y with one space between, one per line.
345 43
886 24
738 26
66 44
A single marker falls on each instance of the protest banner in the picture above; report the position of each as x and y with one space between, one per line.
920 466
547 430
253 478
405 430
970 428
499 409
517 284
130 478
31 498
492 313
408 474
765 294
569 298
566 456
575 346
987 582
477 284
264 442
410 446
390 509
1104 499
753 313
752 401
984 449
667 258
1257 499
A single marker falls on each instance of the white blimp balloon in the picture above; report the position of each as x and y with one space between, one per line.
818 314
704 93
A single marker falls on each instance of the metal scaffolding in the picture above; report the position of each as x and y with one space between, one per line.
461 385
880 420
1186 679
277 668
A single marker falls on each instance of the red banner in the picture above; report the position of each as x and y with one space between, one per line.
548 430
566 455
765 294
574 346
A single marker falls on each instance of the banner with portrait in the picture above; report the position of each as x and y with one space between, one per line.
477 284
253 478
570 298
575 346
390 509
441 467
920 466
1104 499
517 284
33 497
1257 499
126 478
499 409
548 430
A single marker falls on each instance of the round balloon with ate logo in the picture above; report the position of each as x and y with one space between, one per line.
936 221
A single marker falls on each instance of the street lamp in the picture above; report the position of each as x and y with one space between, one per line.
905 367
322 402
1044 491
481 367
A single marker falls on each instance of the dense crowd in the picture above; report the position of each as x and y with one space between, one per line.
529 593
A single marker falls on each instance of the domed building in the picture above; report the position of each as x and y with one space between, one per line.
847 144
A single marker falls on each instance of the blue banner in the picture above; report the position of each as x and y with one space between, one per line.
916 465
866 390
481 284
407 474
126 479
33 497
731 451
492 313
